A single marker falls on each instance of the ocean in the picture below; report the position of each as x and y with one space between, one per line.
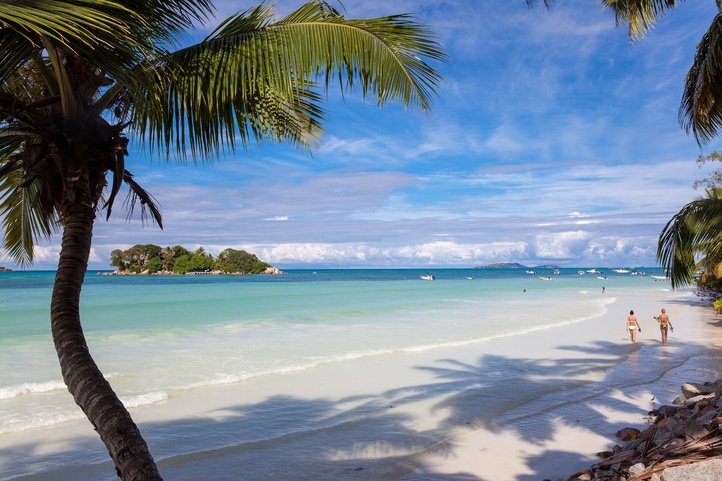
159 339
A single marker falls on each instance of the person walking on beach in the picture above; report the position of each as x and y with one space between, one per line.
664 325
633 326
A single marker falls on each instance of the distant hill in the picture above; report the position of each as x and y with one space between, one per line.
503 265
514 265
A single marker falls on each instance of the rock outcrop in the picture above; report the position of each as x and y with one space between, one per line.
273 270
684 442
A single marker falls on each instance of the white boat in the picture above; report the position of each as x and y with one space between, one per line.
530 272
427 277
469 278
581 273
659 278
601 277
621 271
593 271
542 278
555 271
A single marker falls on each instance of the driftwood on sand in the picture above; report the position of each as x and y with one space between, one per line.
683 442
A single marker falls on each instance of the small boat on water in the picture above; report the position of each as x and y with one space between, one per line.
659 278
542 278
581 273
470 278
593 271
531 272
427 277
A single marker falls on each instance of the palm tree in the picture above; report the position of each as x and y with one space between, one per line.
692 240
76 76
700 110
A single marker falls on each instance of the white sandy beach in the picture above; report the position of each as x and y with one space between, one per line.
467 413
569 427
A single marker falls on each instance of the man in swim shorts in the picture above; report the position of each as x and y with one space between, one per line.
633 326
664 325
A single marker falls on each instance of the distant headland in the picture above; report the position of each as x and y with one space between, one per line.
5 269
514 265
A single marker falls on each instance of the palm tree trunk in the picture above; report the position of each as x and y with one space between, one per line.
86 383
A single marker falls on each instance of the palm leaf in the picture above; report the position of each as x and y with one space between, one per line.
700 110
147 201
254 76
640 15
695 229
24 222
114 35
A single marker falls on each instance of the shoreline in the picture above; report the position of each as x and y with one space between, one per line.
268 271
574 430
528 407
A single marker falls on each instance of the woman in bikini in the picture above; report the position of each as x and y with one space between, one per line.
664 325
633 326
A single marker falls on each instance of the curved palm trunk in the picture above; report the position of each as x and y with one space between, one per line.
86 383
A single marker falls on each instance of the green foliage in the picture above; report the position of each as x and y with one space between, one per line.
714 179
201 263
181 264
116 259
179 260
692 240
154 265
718 306
233 261
259 267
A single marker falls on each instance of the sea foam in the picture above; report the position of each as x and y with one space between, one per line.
10 392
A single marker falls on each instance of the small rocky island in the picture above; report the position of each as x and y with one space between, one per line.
149 259
5 269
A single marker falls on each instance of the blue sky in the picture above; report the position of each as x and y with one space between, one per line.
553 141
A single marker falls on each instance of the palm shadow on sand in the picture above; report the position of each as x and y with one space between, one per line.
367 438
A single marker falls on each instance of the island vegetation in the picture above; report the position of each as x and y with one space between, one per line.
153 259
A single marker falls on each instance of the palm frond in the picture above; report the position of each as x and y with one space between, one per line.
695 229
261 73
116 36
640 15
118 171
147 201
100 30
24 221
700 110
547 3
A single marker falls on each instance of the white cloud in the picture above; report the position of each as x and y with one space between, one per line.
560 245
575 215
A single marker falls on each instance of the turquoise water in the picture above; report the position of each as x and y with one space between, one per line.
157 336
